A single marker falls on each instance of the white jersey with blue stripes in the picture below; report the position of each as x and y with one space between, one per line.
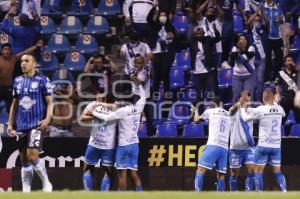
241 136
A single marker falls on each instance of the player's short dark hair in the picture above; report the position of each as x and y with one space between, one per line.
98 55
287 56
31 55
249 94
216 100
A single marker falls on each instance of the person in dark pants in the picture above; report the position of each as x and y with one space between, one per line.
204 64
275 18
286 85
163 57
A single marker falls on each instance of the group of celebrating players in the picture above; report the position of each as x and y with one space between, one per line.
31 113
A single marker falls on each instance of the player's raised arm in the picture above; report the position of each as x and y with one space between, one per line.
140 104
247 117
196 117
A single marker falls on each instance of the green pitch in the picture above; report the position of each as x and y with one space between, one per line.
149 195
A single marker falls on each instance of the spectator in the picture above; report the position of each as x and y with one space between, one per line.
286 84
244 77
24 35
163 55
141 15
5 6
204 64
227 27
257 31
103 67
7 66
290 8
64 109
140 75
212 18
128 52
275 18
168 6
31 8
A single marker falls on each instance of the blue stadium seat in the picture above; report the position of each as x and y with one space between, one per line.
48 26
180 113
238 24
193 130
57 75
58 44
183 60
48 9
290 118
6 38
86 44
180 22
225 78
74 61
166 130
295 131
97 25
83 10
142 132
49 61
71 25
296 44
108 8
176 77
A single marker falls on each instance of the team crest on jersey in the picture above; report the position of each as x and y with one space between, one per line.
27 103
34 85
274 110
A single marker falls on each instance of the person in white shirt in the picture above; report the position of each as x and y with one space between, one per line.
268 149
241 145
101 145
216 150
244 73
128 118
141 11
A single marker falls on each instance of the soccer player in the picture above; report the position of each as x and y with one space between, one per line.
101 146
31 111
128 149
241 145
216 150
268 149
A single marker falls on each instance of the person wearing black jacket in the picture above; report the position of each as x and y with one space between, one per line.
204 63
286 87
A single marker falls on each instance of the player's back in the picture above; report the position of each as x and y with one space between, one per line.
128 126
219 126
270 120
241 136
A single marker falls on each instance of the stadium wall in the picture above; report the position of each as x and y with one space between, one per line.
164 164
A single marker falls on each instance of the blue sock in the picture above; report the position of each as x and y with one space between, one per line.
221 185
105 184
233 183
259 182
250 182
139 188
87 181
280 179
199 182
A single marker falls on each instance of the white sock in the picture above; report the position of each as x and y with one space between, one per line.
40 169
26 176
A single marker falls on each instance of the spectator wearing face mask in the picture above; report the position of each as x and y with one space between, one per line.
258 35
244 77
163 54
214 15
